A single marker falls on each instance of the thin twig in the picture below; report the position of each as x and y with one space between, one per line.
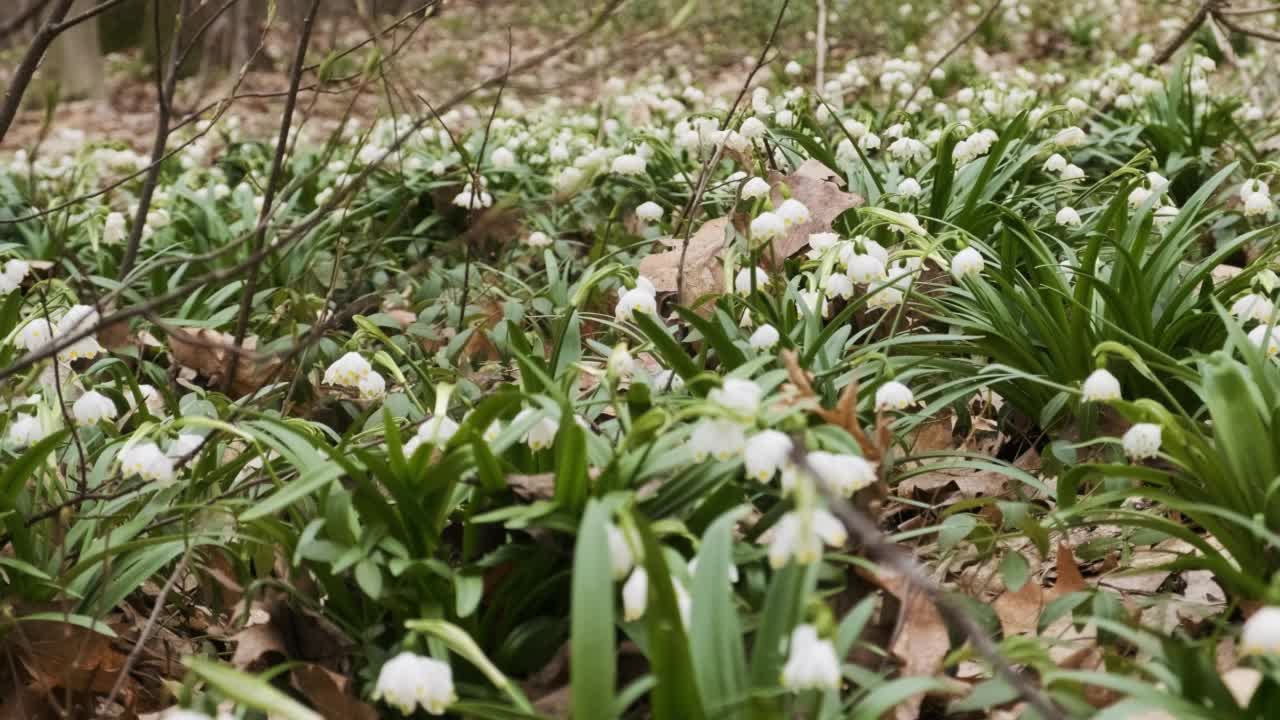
150 627
30 62
1185 33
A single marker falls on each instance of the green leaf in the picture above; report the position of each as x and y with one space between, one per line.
719 658
676 694
249 690
592 644
1014 570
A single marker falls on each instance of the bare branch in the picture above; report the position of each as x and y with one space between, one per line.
27 68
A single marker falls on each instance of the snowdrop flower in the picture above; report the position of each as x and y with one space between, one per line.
621 559
668 377
635 595
793 212
742 282
76 320
785 118
34 335
1072 172
372 386
503 159
1055 163
25 430
909 149
793 68
628 165
1138 196
1257 204
633 301
1068 217
1267 339
766 452
754 188
870 141
147 461
967 262
11 278
865 269
1101 385
909 187
1142 441
839 286
649 211
802 538
811 662
768 226
183 445
737 395
1261 633
840 473
721 439
93 407
114 230
407 681
1251 187
1070 137
347 370
435 430
884 298
1157 182
1164 215
893 395
752 128
537 239
764 338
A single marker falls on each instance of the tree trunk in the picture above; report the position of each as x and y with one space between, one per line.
74 61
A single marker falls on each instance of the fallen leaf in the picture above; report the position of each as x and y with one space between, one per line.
814 185
922 641
1069 578
70 657
533 487
330 693
207 351
1019 612
703 269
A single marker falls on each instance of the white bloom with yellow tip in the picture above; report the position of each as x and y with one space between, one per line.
347 370
408 681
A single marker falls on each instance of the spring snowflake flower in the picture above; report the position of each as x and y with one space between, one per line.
25 430
1072 172
893 395
1267 339
147 461
1261 633
768 226
802 538
569 179
635 595
76 320
865 269
621 559
372 386
347 370
811 662
754 188
785 118
1077 106
93 407
1070 137
885 298
737 395
909 187
766 453
1138 196
840 473
909 149
184 445
753 128
114 231
537 239
793 212
34 335
628 165
966 263
151 398
764 338
742 282
718 438
839 286
1252 186
1164 215
1068 217
793 68
1253 307
870 141
663 378
503 159
1100 386
407 681
635 300
542 433
1257 204
820 243
1055 163
470 199
732 574
15 271
1157 182
1142 441
649 211
435 430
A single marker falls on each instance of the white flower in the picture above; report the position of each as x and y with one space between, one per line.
742 282
1077 106
1142 441
635 595
793 68
568 179
1261 633
768 226
621 559
1257 204
1165 214
967 262
649 211
407 681
491 433
11 278
865 269
1068 217
147 461
752 128
737 395
469 199
884 298
811 662
1266 338
34 335
668 377
372 386
765 337
1072 172
893 395
766 453
906 148
347 370
1254 306
435 430
821 242
180 714
1101 385
1138 196
628 165
645 284
538 239
1055 163
1070 137
793 212
93 407
785 118
1251 187
542 433
503 159
114 230
870 141
840 473
1157 182
633 301
25 430
721 439
756 187
76 320
800 537
839 285
151 398
909 187
183 445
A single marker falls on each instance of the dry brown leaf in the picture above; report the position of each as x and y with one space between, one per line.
814 185
258 647
1019 612
207 351
922 641
330 694
970 483
533 487
703 269
1069 578
70 657
934 434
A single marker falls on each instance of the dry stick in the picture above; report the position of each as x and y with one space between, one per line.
1233 26
1247 11
150 627
165 86
879 549
27 68
991 10
820 48
1185 33
87 15
704 174
28 12
273 182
